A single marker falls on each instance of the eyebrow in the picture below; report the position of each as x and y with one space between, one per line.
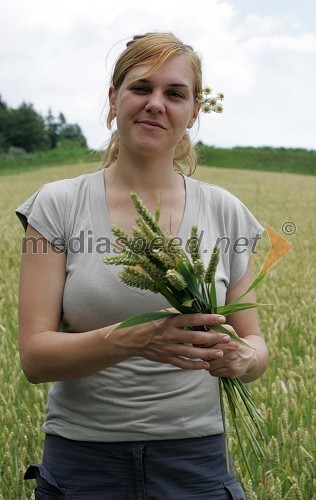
145 80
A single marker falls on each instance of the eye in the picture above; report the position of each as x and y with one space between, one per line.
176 95
140 90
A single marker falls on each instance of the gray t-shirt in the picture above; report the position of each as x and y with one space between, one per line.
136 399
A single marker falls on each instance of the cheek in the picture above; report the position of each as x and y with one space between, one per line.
128 108
183 119
123 111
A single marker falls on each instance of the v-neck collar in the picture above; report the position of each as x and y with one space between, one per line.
102 224
101 217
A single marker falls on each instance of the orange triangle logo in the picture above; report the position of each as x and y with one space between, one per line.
279 248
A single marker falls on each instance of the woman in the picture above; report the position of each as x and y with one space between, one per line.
134 414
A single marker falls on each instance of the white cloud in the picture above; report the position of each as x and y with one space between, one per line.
55 56
269 81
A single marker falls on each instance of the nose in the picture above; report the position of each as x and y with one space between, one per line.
155 103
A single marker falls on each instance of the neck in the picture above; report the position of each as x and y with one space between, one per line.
144 175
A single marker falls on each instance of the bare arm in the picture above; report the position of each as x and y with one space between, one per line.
48 354
238 361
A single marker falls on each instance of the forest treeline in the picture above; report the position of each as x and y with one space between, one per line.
23 129
29 140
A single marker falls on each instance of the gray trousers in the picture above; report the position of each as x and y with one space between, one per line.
176 469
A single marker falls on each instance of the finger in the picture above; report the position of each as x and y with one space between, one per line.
206 354
228 366
227 346
188 364
225 372
206 339
186 320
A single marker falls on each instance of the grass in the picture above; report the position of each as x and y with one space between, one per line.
300 161
285 394
15 163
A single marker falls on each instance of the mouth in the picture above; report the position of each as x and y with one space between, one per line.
150 125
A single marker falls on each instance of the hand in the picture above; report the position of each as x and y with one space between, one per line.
168 340
236 361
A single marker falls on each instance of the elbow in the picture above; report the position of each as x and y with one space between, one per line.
32 358
31 378
30 375
30 369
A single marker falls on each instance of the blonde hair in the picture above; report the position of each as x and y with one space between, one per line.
155 48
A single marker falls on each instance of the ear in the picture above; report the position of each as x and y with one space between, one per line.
197 107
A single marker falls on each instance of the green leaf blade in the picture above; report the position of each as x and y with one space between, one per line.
144 318
232 308
222 329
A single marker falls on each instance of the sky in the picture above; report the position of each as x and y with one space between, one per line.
58 54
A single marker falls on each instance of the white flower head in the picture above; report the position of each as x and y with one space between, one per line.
206 107
207 90
210 101
218 108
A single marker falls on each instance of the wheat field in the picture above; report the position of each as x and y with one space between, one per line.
285 394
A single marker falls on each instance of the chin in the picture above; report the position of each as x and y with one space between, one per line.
149 148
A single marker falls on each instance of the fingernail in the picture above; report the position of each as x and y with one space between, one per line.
226 338
219 354
221 319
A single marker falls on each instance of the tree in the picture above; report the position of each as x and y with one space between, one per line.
4 117
52 129
72 133
26 129
2 104
61 120
60 132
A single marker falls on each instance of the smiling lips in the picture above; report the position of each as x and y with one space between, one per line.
150 125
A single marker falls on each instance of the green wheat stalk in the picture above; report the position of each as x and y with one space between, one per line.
189 288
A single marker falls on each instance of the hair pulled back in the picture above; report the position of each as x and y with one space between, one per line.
155 48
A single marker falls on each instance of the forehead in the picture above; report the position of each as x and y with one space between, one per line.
176 70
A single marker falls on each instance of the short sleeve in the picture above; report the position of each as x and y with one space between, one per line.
245 235
46 211
231 226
